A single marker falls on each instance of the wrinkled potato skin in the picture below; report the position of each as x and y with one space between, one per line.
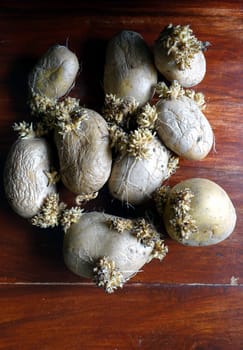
168 68
129 68
26 185
85 156
212 210
91 238
55 72
134 180
183 128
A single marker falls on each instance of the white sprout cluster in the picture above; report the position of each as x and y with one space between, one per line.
66 115
182 220
24 129
49 213
130 126
149 237
107 276
138 141
70 216
181 44
119 224
175 91
117 110
53 213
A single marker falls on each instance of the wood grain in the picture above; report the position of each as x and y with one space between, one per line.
139 317
194 298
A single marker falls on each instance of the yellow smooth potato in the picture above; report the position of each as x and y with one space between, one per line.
198 212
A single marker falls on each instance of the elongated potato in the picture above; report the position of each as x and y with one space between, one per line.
134 179
110 249
183 128
26 171
84 153
129 68
199 212
55 73
178 55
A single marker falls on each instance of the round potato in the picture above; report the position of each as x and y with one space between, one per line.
178 55
55 73
134 179
187 77
26 179
110 249
183 128
84 153
198 212
129 68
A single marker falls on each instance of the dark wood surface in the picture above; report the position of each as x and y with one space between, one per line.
194 298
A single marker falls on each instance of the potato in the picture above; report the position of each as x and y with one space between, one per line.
84 152
178 55
129 68
142 162
55 73
134 179
198 212
183 127
27 175
110 249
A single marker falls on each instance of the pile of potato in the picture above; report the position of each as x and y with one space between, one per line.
133 146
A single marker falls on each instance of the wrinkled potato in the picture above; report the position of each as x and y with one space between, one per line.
27 175
183 128
134 179
84 153
179 55
142 162
110 249
198 212
55 73
129 68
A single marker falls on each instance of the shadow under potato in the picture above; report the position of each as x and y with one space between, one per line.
89 83
17 84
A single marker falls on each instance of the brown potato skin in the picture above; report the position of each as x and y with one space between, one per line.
211 208
85 155
26 185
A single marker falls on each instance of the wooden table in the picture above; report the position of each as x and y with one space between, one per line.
194 298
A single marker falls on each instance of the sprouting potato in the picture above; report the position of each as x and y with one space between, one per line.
55 73
178 55
134 179
84 152
181 124
129 68
146 142
142 162
110 249
197 212
27 175
82 140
